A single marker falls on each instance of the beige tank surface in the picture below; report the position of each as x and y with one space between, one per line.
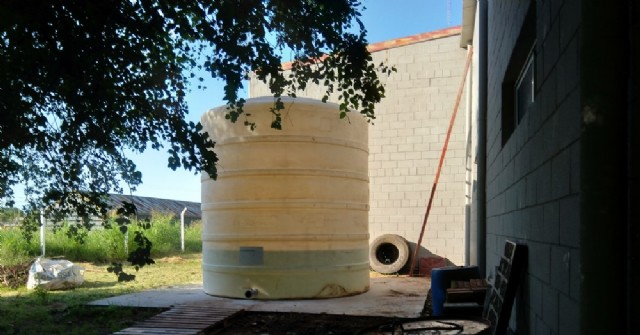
287 217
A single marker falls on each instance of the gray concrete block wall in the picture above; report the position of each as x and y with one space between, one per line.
405 142
533 179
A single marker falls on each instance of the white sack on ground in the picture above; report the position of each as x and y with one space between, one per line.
53 274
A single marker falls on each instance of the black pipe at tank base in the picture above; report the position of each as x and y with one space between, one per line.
251 293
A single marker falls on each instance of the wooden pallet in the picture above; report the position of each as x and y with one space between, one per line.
180 320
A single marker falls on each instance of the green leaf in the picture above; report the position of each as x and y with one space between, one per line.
88 82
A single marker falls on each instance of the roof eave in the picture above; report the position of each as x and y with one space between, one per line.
468 22
418 38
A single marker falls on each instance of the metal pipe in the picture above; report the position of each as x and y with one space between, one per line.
443 153
633 178
468 129
481 155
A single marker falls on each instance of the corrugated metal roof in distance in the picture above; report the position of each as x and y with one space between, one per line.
146 205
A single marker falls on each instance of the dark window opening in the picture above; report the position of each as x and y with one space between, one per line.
518 85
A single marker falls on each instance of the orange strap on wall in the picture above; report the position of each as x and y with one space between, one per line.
414 259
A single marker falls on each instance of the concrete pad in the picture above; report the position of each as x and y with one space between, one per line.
388 296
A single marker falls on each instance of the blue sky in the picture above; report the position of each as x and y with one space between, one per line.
383 19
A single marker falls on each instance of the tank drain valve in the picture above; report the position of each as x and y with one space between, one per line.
251 293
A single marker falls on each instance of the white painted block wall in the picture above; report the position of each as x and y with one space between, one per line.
405 144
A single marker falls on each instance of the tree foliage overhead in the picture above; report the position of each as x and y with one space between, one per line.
83 82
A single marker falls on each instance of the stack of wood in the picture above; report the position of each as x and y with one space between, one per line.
14 275
467 290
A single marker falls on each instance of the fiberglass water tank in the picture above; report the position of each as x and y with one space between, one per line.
287 217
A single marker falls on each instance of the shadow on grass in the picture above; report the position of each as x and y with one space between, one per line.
100 284
65 312
25 311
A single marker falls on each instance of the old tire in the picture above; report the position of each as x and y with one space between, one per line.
388 253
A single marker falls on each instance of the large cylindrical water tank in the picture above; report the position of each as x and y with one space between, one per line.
287 217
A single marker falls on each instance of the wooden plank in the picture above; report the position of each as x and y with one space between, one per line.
150 331
180 320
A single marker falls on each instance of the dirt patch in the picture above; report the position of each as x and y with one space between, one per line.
395 293
276 323
173 259
272 323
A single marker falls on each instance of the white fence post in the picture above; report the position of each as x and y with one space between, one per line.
42 224
182 228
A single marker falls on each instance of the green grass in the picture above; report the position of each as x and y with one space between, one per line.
100 245
40 311
65 312
14 249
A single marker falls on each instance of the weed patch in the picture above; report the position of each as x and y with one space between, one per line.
100 245
67 312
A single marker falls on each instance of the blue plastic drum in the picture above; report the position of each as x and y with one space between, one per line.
441 280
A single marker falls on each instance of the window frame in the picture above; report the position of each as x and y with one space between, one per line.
522 55
529 66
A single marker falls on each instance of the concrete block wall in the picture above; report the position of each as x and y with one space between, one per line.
533 180
406 140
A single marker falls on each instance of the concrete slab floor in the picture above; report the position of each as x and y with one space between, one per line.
400 296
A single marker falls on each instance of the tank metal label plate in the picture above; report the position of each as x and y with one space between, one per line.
251 256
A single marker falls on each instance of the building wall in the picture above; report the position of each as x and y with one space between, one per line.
471 159
533 180
405 143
